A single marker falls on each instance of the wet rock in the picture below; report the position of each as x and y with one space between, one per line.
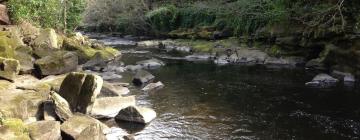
251 56
9 68
133 67
92 132
346 77
74 126
110 76
45 130
59 63
315 64
153 86
199 57
14 129
136 114
81 90
322 80
114 133
61 106
151 63
112 90
142 77
222 60
290 61
109 107
4 17
96 61
47 39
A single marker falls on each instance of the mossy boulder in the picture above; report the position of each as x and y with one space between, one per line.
86 52
45 130
24 55
13 35
47 38
81 90
14 129
9 68
61 106
59 62
79 123
6 50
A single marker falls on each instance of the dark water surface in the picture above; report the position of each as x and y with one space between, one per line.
205 101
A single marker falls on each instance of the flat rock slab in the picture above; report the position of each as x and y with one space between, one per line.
57 63
109 107
45 130
113 90
74 126
136 114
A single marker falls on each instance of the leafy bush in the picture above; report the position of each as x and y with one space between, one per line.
47 13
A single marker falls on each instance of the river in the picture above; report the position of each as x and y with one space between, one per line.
201 100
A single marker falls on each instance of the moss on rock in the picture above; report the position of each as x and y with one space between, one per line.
14 129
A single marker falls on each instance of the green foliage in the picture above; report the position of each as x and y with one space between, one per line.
46 13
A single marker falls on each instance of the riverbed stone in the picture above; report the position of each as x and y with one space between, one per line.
58 63
74 126
136 114
9 68
81 90
47 39
45 130
151 63
322 80
113 90
142 77
133 67
92 132
109 107
13 129
61 106
153 86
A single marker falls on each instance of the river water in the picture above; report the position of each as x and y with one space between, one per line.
201 100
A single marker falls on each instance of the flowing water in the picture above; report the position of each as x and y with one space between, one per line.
205 101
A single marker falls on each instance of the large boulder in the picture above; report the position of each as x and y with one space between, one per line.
4 17
109 107
322 80
136 114
24 55
142 77
74 126
47 39
92 132
59 63
61 107
13 129
81 90
9 68
45 130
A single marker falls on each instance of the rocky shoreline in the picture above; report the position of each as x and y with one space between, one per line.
51 87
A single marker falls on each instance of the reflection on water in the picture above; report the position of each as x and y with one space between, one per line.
204 101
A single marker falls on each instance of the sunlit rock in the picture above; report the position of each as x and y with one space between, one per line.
45 130
109 107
